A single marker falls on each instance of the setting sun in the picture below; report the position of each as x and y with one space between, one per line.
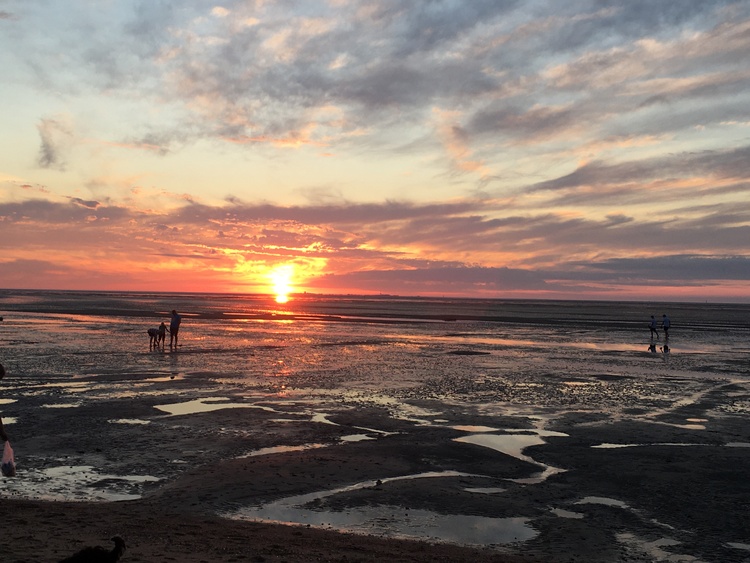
281 278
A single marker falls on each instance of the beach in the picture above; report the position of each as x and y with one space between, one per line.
374 431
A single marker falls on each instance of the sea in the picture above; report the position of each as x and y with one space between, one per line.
66 350
77 333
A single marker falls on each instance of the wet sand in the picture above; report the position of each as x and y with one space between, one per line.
676 485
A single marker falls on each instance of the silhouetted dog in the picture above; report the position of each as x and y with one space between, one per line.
98 554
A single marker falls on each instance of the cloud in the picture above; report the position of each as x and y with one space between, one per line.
83 203
725 164
56 134
528 143
437 280
687 269
391 247
386 64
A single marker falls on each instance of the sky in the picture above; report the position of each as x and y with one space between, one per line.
586 149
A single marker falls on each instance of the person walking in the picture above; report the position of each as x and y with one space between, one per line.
174 328
665 324
652 326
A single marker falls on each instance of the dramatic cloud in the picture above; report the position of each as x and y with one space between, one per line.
491 147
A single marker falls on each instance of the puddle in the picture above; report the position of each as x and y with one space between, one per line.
207 405
603 500
74 483
485 490
737 545
7 401
392 521
513 445
566 513
72 385
608 446
689 426
171 377
375 431
509 444
61 406
477 429
356 438
283 449
537 478
322 418
655 548
129 421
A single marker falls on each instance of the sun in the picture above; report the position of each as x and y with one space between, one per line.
281 278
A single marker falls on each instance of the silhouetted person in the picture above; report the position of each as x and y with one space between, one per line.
665 323
3 435
162 337
174 328
652 326
8 466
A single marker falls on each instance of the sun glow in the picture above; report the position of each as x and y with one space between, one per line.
281 278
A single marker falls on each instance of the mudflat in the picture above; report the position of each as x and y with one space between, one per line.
593 488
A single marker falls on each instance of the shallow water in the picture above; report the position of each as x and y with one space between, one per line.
392 521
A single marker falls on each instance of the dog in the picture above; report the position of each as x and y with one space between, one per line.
98 554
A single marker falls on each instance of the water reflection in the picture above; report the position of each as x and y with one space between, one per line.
566 513
603 500
392 521
129 421
75 483
513 445
283 449
207 405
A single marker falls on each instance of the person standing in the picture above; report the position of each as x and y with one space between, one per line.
161 337
174 328
665 324
3 435
652 326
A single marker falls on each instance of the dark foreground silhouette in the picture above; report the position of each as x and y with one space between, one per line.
98 554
